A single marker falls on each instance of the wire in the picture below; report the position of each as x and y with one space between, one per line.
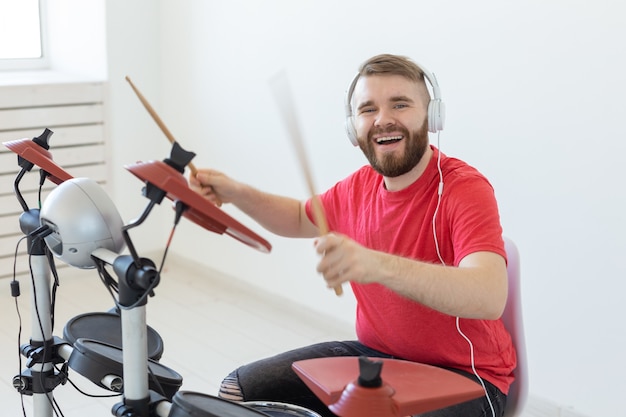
19 317
66 375
113 286
55 284
56 408
42 178
458 325
109 283
439 194
156 279
180 208
16 188
44 355
482 383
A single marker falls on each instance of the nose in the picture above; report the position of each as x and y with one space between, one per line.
383 118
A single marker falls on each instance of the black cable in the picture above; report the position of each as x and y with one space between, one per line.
16 187
157 278
42 178
37 236
55 407
55 284
38 315
86 394
15 293
109 283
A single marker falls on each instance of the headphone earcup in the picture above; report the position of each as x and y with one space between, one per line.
350 128
351 131
436 115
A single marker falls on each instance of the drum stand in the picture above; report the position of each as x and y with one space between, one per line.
44 350
137 277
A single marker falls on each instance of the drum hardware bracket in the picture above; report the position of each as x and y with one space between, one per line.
128 410
135 277
38 352
29 381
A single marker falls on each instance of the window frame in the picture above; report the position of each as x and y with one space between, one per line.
40 63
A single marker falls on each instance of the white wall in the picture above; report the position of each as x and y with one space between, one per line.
76 37
134 50
535 98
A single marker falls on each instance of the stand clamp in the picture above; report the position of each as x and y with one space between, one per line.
31 382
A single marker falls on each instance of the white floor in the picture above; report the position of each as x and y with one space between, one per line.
209 326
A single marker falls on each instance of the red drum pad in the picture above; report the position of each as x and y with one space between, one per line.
39 156
199 210
417 387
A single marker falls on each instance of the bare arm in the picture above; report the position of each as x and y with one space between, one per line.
283 216
477 288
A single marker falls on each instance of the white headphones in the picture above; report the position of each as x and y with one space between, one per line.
436 107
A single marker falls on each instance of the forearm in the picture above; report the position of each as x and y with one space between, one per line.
280 215
477 288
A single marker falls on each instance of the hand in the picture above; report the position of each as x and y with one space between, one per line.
344 260
213 185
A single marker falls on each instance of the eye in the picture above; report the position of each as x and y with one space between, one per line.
401 105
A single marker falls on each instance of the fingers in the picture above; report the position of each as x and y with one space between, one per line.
210 194
328 243
203 182
335 264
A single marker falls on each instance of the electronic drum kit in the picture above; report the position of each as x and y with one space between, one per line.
93 344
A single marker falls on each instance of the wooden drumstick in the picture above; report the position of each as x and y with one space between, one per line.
282 93
158 121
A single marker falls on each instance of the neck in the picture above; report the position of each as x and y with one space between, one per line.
404 180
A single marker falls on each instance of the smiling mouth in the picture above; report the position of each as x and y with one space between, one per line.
385 140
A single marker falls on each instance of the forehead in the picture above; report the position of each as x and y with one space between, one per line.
382 88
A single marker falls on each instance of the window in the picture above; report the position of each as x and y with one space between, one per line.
22 35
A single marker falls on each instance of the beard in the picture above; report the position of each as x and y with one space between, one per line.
389 165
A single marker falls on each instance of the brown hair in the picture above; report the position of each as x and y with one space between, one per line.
392 65
388 64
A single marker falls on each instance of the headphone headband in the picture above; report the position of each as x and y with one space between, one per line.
436 108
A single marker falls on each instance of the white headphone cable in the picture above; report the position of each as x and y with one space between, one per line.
458 326
439 193
482 383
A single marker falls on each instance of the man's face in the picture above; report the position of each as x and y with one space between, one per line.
391 123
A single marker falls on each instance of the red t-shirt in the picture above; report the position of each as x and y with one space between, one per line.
400 223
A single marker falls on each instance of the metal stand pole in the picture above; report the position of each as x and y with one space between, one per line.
41 335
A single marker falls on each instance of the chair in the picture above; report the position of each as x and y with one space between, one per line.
512 318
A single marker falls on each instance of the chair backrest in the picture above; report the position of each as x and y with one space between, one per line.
512 318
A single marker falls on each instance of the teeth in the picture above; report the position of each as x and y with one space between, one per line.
388 139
